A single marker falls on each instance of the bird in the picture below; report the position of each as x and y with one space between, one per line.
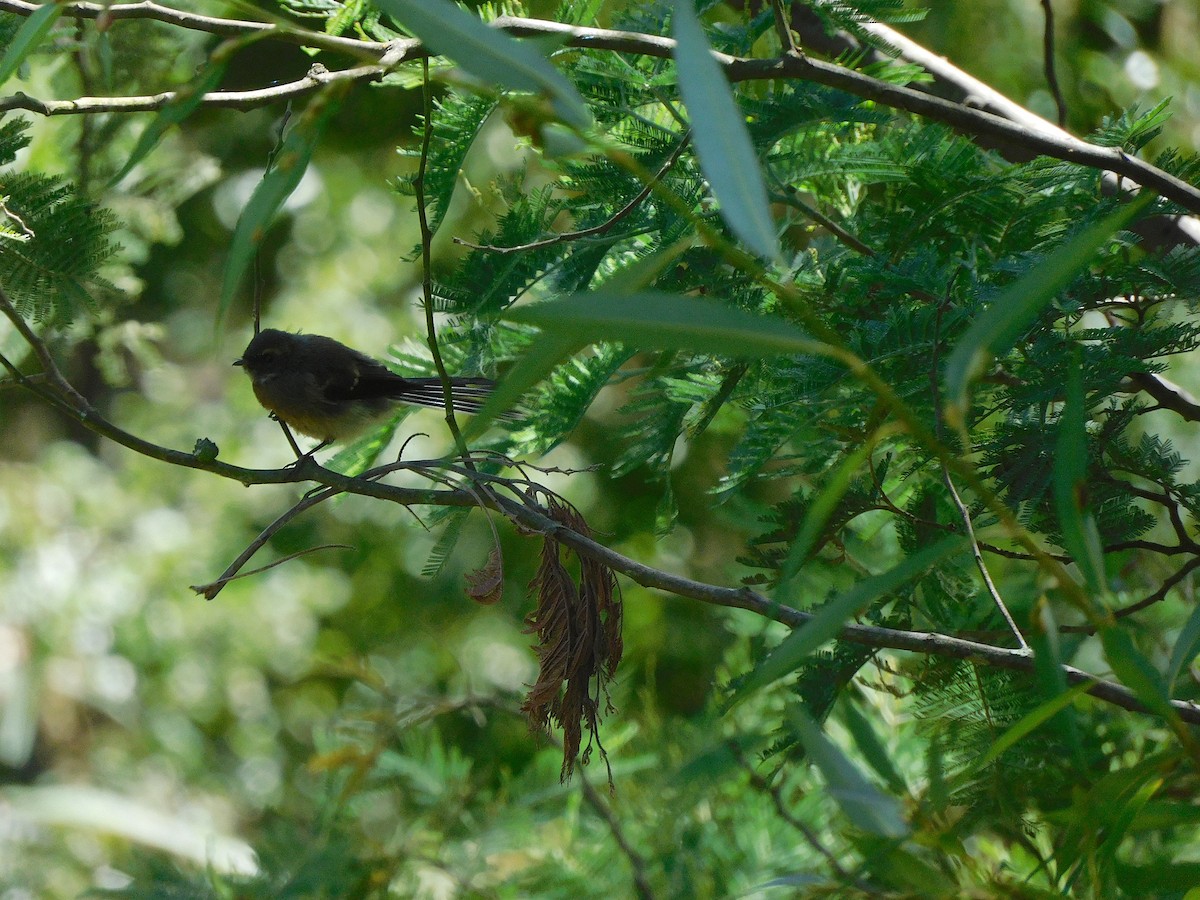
331 392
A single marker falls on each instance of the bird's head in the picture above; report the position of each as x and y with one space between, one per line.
270 352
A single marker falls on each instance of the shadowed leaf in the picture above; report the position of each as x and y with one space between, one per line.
722 141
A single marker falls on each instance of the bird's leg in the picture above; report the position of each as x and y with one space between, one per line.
287 432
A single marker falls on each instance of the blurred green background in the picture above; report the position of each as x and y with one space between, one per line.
134 714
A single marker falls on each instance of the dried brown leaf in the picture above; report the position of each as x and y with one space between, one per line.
486 584
578 626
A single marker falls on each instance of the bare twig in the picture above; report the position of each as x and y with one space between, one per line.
604 226
1168 394
1159 594
963 512
1048 63
209 591
316 77
210 24
431 338
637 862
762 785
993 592
782 28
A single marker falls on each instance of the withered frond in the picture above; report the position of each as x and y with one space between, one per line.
578 626
486 584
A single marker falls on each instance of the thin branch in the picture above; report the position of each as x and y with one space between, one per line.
431 337
209 591
1158 596
866 635
1048 63
637 862
963 512
783 29
209 24
981 95
604 226
965 515
1058 144
317 76
1168 395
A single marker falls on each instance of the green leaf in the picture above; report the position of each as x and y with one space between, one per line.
1081 537
28 38
872 748
1032 720
868 808
821 508
1136 672
490 55
534 365
1185 649
1017 307
1115 833
1051 678
667 321
829 619
276 186
357 456
721 138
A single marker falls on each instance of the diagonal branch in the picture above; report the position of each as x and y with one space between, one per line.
1059 145
309 471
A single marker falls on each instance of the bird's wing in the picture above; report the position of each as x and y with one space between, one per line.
365 380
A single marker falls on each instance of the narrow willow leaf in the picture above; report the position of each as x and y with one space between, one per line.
829 619
490 55
868 808
1051 679
276 186
1136 672
644 270
1029 722
667 321
872 748
535 364
1081 537
28 38
722 140
1018 306
1186 647
836 483
1106 853
358 456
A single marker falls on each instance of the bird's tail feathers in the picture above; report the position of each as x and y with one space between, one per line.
467 394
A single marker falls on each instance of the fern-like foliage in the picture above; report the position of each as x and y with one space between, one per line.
898 235
53 242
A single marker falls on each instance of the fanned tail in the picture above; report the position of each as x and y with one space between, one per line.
467 394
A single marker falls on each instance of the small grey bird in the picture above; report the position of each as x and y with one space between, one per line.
331 392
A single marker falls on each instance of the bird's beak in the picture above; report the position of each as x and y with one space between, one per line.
237 362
